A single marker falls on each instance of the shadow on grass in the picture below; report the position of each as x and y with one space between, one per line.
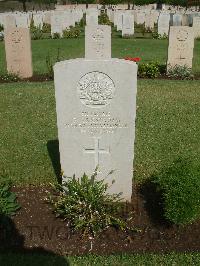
13 252
153 203
173 182
53 150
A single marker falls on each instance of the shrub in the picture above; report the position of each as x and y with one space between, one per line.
103 19
1 27
72 32
181 72
148 70
86 205
46 28
180 190
37 33
82 22
8 204
9 77
56 35
32 26
1 36
158 36
50 61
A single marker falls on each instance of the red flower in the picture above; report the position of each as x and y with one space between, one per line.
134 59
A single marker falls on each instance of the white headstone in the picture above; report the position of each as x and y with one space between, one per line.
38 20
163 24
57 23
18 52
127 25
96 109
177 20
196 27
140 18
181 44
22 21
98 42
92 17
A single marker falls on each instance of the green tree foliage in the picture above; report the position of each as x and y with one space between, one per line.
24 2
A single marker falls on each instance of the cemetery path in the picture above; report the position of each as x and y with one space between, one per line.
36 226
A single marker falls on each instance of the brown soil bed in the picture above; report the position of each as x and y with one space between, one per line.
45 77
35 226
35 78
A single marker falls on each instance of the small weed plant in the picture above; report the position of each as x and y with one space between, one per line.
1 36
103 19
85 203
9 77
56 35
180 72
72 32
8 203
37 33
46 28
1 27
158 36
150 70
50 62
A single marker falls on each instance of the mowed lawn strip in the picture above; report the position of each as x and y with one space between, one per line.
167 128
147 49
32 259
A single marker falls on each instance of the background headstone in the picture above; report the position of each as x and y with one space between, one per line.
163 24
196 27
98 42
181 44
18 52
127 25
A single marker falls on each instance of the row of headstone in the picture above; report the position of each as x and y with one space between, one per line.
122 19
59 20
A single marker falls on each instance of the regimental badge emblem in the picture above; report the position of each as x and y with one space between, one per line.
96 89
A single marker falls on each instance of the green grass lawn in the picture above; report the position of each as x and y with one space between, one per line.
90 260
167 127
147 49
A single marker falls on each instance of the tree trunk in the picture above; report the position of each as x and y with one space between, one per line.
24 5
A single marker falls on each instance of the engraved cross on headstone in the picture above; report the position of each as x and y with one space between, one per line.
96 151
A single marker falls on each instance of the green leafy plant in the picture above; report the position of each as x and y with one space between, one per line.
37 33
9 77
103 19
46 28
158 36
50 62
148 70
85 203
82 22
1 36
32 25
72 32
8 203
180 190
1 27
56 35
180 72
